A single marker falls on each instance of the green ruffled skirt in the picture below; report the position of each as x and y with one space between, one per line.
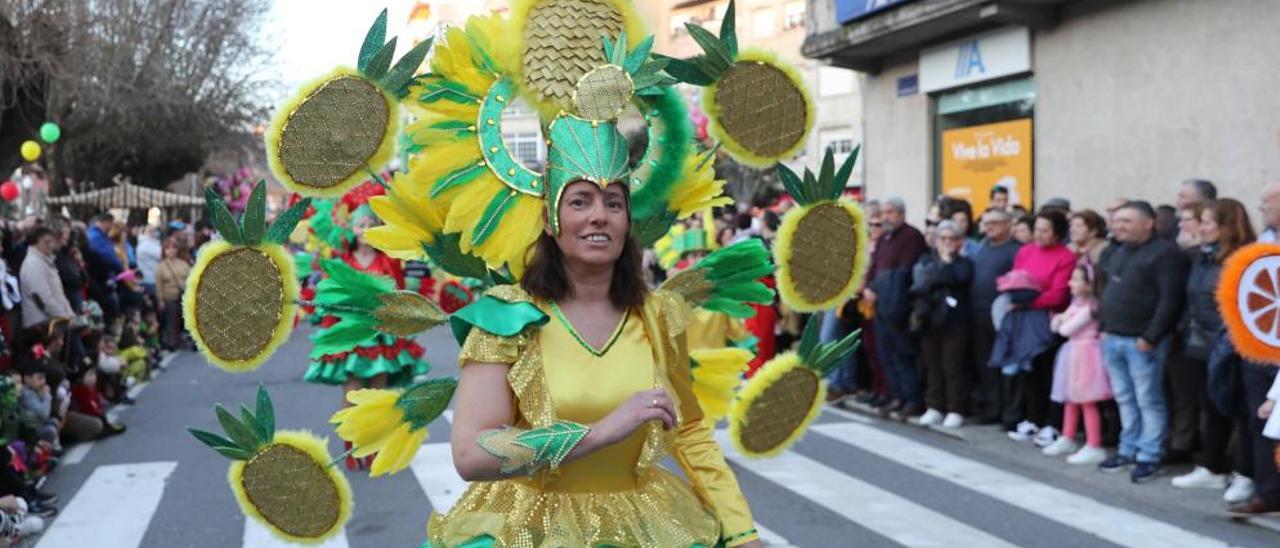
399 358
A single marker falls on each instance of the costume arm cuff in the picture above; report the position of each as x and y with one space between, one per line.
524 452
741 538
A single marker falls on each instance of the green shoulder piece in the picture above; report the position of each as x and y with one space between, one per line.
496 316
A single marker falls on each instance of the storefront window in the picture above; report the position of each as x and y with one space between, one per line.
982 139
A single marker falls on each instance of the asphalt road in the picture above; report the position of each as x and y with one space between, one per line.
853 481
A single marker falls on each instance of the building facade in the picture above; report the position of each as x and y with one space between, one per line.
1090 100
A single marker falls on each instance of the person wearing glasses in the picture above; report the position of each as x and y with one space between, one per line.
992 258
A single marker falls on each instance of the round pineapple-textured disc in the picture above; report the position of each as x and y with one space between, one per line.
292 491
780 410
603 93
333 132
761 109
563 40
239 301
823 253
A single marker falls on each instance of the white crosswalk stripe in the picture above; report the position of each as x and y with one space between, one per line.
255 535
894 517
1113 524
112 508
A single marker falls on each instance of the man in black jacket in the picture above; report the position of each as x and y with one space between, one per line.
1140 308
889 277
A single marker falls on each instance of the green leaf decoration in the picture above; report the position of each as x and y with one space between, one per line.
458 177
265 411
553 443
809 339
686 71
792 184
638 56
716 52
247 417
493 215
618 56
214 441
286 221
234 453
649 229
254 224
828 356
222 220
845 172
423 402
237 431
347 289
373 41
729 30
381 61
826 175
343 336
708 67
447 253
397 81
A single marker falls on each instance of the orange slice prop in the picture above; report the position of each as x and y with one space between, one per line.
1249 298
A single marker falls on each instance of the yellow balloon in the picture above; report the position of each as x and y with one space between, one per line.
30 151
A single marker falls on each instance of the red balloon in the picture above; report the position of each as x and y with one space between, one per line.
10 191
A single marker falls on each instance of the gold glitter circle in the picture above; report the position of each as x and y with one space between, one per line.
823 250
239 301
563 40
332 134
778 411
761 108
292 491
603 93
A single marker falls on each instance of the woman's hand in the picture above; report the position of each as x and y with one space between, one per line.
640 408
1264 410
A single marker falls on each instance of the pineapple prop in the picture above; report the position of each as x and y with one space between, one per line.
240 299
759 107
775 408
342 126
282 479
367 304
822 248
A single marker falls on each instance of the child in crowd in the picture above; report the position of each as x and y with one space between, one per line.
111 367
88 401
1080 377
37 399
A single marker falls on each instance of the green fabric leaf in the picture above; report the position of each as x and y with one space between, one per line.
397 81
650 228
286 221
266 412
234 453
247 418
373 41
238 432
619 53
716 52
709 67
346 287
827 175
222 220
437 88
828 356
608 47
845 172
425 401
447 253
343 336
809 339
458 177
551 444
729 31
791 182
638 56
492 216
495 316
212 440
686 71
381 61
254 223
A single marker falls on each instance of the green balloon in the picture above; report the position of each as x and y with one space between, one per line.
50 132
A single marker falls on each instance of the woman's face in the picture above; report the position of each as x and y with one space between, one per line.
961 219
363 224
1021 232
1210 233
593 223
1188 223
1079 232
1080 284
875 226
1043 234
170 251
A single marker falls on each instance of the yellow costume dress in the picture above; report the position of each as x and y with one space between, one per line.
619 495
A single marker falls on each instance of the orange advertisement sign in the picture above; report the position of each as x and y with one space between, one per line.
975 159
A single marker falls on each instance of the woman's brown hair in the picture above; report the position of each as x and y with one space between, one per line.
1097 225
547 279
1235 230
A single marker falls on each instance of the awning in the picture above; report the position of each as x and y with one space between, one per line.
125 195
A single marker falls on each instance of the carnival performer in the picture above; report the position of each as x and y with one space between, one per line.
380 362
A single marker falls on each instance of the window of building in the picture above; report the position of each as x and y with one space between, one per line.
794 16
839 141
526 147
764 23
835 81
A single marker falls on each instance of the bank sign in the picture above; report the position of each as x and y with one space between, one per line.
981 57
848 11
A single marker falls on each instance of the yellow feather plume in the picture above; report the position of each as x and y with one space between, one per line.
699 191
717 377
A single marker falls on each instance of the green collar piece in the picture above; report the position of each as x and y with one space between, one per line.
495 316
582 150
617 332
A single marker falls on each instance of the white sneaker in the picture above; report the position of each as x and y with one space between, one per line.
1241 489
129 382
930 418
953 420
1046 436
1061 446
1023 431
1200 478
1088 455
30 525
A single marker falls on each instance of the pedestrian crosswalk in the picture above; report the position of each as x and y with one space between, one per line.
116 505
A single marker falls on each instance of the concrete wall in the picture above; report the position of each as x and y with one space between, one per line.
897 147
1132 99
